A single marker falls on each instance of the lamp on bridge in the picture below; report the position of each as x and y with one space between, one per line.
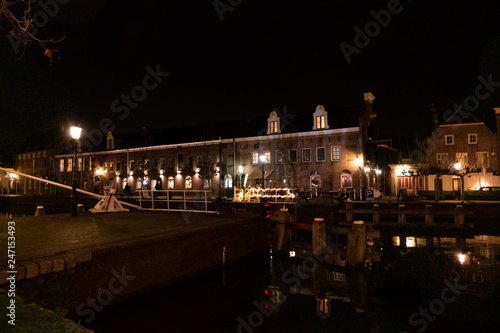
262 161
75 135
461 173
359 163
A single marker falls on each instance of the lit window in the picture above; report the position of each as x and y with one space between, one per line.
267 154
461 158
170 183
320 154
273 127
472 139
448 140
206 183
482 160
320 122
105 167
189 182
279 157
292 155
442 159
61 165
346 179
336 153
228 181
111 165
306 155
255 157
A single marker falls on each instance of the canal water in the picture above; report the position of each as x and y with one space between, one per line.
416 288
421 284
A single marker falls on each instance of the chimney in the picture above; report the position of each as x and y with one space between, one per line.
435 123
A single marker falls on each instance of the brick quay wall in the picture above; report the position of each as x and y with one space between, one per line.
113 272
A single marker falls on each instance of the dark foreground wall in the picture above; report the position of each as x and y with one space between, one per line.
122 270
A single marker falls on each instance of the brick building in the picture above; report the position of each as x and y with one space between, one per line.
311 152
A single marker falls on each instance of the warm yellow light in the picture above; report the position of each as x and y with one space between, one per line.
98 172
367 169
378 171
292 253
461 258
131 173
410 242
75 132
13 175
358 161
262 158
458 166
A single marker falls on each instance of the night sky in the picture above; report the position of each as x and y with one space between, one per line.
263 55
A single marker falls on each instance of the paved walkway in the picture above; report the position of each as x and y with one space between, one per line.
49 235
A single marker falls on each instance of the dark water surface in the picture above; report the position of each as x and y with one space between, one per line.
404 293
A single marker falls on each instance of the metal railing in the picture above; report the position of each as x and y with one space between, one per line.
198 200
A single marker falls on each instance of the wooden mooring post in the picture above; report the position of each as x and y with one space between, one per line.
282 236
459 215
376 213
356 245
401 214
348 211
319 237
429 218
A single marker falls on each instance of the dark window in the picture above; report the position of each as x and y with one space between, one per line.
118 166
190 162
180 161
292 155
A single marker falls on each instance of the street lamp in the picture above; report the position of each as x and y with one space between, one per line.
262 161
359 163
458 167
75 134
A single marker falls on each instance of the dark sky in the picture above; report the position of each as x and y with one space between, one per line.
264 54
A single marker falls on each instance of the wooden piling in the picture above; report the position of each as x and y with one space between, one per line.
80 209
39 211
356 245
348 211
459 215
319 237
429 218
282 234
401 214
376 213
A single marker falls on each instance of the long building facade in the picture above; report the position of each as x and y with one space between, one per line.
325 159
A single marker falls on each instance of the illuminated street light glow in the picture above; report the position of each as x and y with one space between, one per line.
263 158
358 161
461 258
378 172
75 132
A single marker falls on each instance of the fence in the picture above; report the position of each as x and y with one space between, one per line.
198 200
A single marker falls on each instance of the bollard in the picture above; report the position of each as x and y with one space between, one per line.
348 211
459 215
401 214
284 216
319 237
39 211
356 245
80 209
376 213
429 218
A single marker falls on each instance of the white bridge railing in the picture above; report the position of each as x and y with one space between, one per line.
176 200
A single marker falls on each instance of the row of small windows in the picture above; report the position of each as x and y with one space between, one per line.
450 139
482 159
39 154
292 155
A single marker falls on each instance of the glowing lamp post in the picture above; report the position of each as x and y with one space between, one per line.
359 163
262 161
75 135
458 167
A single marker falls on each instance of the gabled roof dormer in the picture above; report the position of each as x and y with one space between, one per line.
320 118
273 123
